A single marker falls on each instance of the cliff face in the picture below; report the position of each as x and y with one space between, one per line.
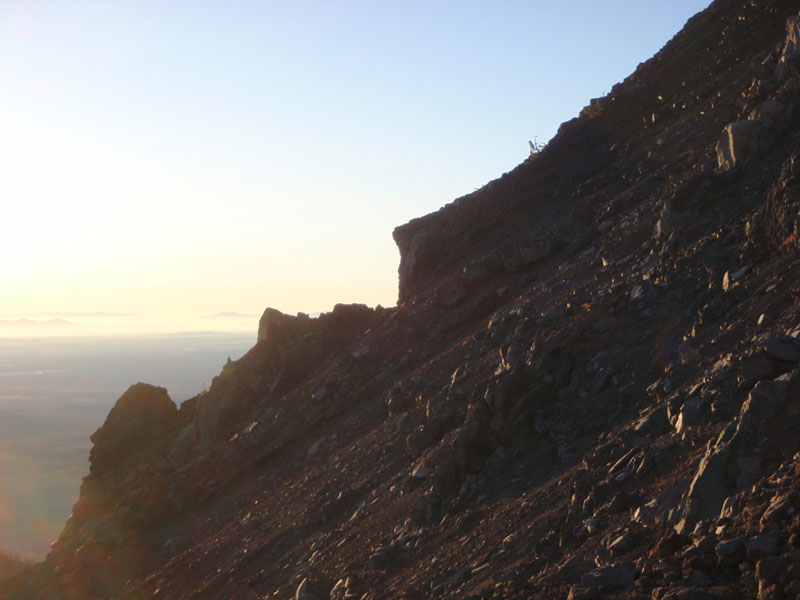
590 386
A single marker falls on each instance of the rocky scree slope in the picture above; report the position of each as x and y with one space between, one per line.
590 387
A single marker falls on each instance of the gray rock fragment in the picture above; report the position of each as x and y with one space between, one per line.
620 574
737 144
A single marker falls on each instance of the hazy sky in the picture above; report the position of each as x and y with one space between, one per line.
198 157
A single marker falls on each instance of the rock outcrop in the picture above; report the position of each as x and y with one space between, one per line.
278 328
140 423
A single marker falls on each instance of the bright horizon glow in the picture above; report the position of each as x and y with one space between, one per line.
201 157
83 325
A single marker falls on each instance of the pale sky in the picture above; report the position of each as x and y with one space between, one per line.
195 157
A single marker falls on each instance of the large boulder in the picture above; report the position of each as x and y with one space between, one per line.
764 422
737 144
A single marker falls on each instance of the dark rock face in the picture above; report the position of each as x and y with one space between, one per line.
140 422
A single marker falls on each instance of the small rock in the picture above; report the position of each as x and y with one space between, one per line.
740 273
726 281
315 517
421 471
646 515
690 414
338 589
729 547
620 574
684 593
699 579
705 545
513 356
729 508
646 465
737 143
420 439
621 545
765 544
306 591
314 448
479 569
577 592
399 401
360 352
769 572
779 509
461 576
771 114
592 526
784 350
655 422
755 368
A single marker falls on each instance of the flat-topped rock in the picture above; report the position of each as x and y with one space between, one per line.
278 327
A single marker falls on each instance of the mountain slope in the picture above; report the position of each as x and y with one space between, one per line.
590 386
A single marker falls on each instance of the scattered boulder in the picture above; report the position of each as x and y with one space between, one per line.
772 574
690 414
621 574
654 423
420 439
785 349
308 591
765 544
737 144
754 368
771 114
